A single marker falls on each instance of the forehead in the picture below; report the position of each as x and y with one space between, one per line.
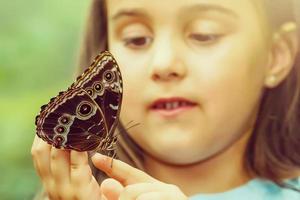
164 7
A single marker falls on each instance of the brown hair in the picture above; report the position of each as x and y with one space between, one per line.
272 149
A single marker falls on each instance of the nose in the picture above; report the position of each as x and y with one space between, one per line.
167 63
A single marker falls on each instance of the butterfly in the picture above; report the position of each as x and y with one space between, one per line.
85 116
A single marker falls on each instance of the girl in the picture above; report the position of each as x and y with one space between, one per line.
214 85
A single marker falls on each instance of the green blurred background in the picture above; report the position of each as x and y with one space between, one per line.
39 43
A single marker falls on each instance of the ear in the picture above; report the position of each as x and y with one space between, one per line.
283 53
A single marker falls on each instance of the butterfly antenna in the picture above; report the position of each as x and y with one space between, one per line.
128 124
112 159
133 125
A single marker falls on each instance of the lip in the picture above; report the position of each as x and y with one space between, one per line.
183 105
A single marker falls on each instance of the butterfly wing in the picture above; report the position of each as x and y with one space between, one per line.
72 120
103 82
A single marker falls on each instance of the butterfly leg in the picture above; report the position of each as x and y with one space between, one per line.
111 144
113 156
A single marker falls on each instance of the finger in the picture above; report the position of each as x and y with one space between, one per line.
35 142
111 189
153 195
60 162
41 156
80 171
135 190
33 153
120 171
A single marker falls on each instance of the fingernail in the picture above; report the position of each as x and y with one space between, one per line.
102 161
99 156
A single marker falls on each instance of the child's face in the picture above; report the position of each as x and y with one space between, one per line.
193 72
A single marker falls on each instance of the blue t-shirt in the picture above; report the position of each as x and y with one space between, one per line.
256 189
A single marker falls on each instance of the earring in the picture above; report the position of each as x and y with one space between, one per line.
271 81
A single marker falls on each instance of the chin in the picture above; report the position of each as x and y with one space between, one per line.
177 156
178 160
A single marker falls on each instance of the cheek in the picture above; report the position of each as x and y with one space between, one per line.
131 105
131 110
133 74
230 84
236 66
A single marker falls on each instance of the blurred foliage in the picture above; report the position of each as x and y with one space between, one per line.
39 45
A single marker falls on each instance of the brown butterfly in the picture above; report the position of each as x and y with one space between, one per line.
84 117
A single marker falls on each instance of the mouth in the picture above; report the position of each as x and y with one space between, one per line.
169 107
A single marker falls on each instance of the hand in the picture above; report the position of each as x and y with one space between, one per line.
128 183
65 174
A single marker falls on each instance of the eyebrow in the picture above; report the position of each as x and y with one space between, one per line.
130 13
209 7
194 8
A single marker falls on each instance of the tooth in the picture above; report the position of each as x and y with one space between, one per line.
175 104
171 105
168 106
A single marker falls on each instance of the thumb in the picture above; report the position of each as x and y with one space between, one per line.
120 171
111 189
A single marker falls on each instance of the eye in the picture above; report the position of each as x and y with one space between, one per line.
90 91
84 109
204 38
98 87
108 76
64 120
58 140
60 129
137 42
